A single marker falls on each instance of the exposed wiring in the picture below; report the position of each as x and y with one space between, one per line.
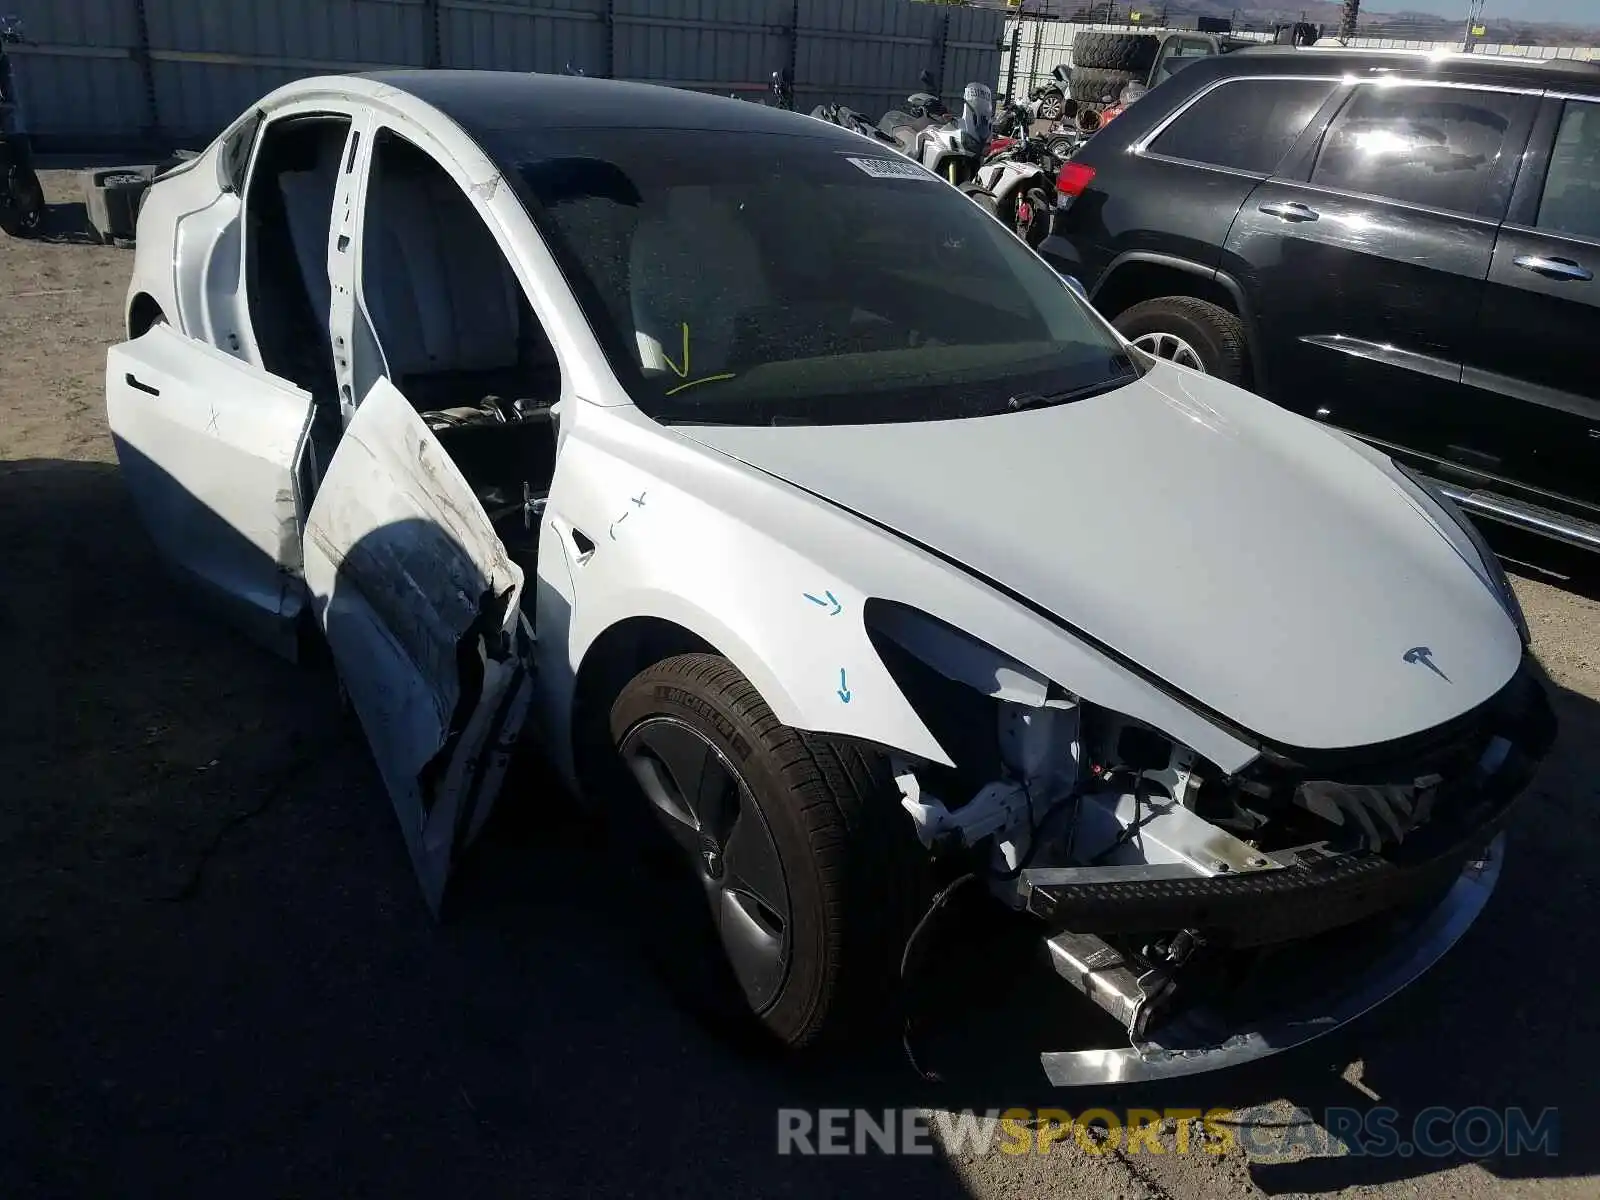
938 902
1133 826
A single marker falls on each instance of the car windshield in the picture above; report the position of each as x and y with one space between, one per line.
754 279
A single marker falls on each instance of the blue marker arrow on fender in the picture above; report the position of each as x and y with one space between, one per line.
844 688
823 601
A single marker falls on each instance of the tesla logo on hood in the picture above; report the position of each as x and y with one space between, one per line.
1422 656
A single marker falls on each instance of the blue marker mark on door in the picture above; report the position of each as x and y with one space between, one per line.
844 688
826 600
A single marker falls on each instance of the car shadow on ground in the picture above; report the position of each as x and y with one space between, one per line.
220 972
223 970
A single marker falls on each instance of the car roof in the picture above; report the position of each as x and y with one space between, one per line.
1511 70
518 101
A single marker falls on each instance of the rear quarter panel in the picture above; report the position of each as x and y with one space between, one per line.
188 188
1139 203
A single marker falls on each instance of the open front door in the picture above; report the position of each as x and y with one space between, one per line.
211 450
420 604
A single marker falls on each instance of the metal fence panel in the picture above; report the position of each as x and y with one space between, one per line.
709 45
866 55
387 31
77 74
523 35
77 22
972 48
81 96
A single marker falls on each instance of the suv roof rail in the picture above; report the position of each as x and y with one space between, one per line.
1511 62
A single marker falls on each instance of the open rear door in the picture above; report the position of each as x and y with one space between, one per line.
420 605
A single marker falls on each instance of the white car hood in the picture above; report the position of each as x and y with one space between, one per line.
1242 555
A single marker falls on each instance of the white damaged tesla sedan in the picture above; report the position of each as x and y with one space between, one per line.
830 545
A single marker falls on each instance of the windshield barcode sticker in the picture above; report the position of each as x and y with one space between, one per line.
888 168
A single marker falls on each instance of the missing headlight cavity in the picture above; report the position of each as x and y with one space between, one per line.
954 682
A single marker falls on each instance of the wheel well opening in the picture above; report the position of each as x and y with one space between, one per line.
1137 282
616 656
142 313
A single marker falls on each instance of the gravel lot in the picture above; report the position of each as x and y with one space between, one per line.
217 975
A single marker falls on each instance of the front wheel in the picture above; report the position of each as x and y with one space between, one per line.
1190 332
782 875
1051 106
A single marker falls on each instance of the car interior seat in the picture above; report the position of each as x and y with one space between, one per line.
448 313
307 190
693 266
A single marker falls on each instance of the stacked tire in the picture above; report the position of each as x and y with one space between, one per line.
1105 63
112 197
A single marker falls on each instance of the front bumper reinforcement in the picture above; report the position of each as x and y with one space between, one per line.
1198 1040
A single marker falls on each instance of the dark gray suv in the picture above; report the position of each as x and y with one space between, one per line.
1402 245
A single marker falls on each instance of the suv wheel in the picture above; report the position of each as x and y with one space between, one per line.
1190 332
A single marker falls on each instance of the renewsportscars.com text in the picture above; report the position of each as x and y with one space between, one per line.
1373 1132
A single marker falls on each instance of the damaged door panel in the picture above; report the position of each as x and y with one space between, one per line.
211 449
420 603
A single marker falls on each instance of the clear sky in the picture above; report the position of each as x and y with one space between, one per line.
1584 12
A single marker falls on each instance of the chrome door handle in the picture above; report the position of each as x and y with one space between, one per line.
1554 268
1290 210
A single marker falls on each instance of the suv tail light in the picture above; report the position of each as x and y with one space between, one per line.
1073 178
1071 182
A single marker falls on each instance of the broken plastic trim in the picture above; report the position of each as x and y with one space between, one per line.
482 641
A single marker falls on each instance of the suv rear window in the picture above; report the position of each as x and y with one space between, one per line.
1431 146
1245 124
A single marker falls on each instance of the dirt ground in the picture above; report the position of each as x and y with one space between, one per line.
217 975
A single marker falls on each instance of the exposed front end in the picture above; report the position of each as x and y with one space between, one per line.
1212 917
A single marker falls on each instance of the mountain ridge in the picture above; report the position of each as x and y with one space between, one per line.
1410 24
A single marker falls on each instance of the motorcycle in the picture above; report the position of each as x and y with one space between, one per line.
954 149
21 196
1019 173
849 118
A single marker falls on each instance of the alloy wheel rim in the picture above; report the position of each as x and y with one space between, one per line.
1169 347
705 807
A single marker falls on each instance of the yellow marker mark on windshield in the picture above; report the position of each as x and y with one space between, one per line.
697 382
683 371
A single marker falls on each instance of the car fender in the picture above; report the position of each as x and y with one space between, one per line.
642 522
628 535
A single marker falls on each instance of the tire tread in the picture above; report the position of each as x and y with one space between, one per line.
869 863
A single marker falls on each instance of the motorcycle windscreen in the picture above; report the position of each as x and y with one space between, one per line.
977 113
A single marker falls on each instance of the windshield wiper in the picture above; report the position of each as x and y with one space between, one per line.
1024 400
